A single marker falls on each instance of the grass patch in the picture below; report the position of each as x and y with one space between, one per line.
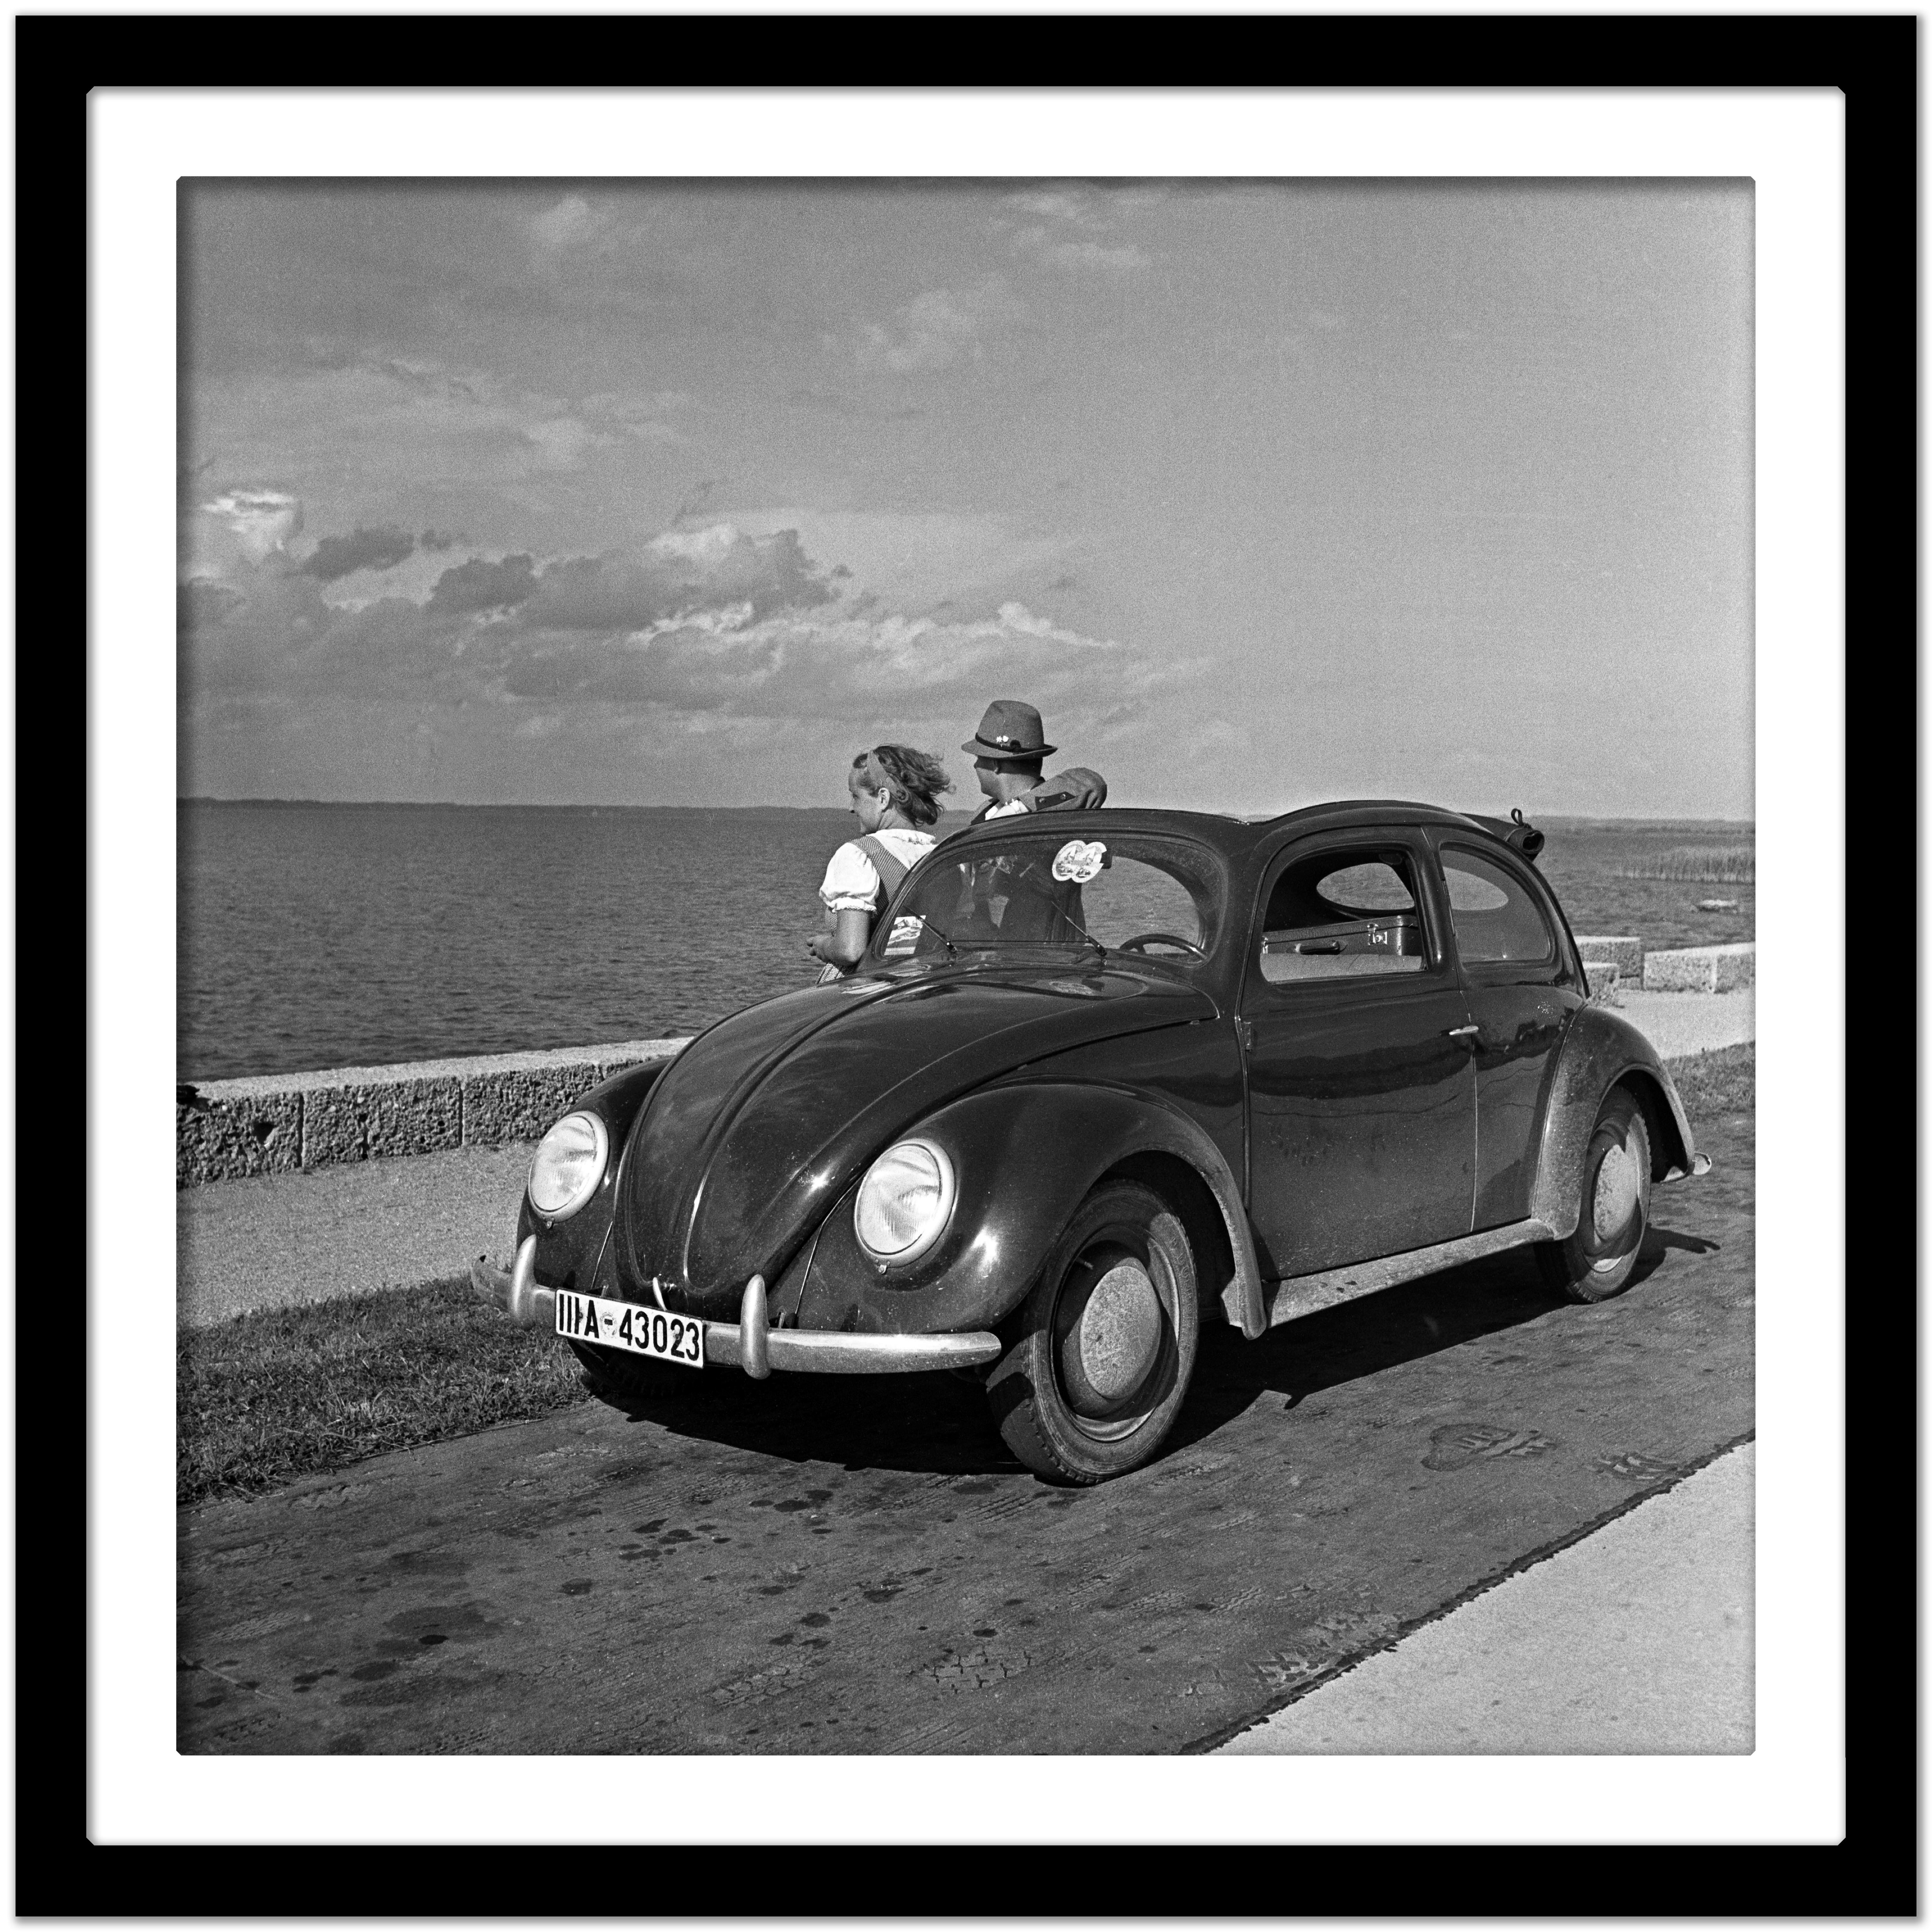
1718 864
283 1393
1724 1081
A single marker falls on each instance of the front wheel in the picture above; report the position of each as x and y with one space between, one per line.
1596 1260
1107 1341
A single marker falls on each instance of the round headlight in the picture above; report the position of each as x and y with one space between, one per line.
569 1164
904 1201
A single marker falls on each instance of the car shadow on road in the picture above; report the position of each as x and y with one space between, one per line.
1362 1339
940 1424
932 1424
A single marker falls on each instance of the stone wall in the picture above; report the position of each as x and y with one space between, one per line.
1681 969
1701 969
1623 951
225 1129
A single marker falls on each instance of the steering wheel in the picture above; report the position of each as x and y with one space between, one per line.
1141 941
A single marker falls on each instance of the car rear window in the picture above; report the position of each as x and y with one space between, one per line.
1497 920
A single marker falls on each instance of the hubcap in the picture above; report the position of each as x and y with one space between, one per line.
1110 1325
1616 1193
1119 1330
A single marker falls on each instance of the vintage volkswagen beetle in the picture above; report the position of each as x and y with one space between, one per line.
1103 1076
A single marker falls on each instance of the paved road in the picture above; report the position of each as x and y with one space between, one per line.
811 1566
274 1240
1676 1023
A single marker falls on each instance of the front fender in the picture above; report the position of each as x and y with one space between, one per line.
1601 1049
1026 1154
567 1252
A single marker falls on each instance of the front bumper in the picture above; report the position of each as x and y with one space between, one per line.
751 1343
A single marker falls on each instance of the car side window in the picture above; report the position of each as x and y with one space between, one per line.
1497 919
1343 914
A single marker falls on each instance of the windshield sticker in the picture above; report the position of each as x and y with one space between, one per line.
1078 862
905 937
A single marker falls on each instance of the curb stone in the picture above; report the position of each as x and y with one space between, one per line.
1624 952
1701 969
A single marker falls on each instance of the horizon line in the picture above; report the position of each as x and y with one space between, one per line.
462 805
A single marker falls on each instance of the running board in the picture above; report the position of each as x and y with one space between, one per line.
1308 1293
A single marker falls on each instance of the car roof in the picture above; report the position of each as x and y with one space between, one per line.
1233 836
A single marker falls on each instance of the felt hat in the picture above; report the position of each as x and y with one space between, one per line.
1010 730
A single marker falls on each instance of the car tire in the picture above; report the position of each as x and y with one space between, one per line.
617 1376
1598 1259
1106 1342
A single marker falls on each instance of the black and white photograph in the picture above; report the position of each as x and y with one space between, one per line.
966 966
953 895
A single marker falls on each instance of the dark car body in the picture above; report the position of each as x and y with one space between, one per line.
1328 1105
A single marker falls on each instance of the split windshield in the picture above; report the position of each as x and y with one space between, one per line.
1141 893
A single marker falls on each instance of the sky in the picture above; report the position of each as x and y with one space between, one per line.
1262 492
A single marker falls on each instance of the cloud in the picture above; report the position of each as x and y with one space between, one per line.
262 521
703 624
361 550
936 330
840 667
659 402
479 586
561 442
1066 222
1089 257
828 402
569 224
400 422
682 572
1058 205
913 558
440 540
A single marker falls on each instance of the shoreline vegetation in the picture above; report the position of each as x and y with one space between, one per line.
1723 866
265 1398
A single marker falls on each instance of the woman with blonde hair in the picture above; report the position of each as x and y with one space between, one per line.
894 792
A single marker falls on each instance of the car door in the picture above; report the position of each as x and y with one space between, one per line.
1360 1090
1521 994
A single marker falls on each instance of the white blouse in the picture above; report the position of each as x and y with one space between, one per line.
852 881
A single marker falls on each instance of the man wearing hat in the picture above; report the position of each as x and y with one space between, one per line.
1008 754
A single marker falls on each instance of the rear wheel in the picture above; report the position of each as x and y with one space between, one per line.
1598 1259
1106 1343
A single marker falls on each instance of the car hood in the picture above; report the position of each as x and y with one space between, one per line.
761 1122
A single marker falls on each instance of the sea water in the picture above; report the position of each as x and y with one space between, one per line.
312 936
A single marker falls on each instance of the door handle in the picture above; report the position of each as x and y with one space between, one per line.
1459 1033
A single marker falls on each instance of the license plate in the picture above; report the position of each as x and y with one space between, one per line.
623 1324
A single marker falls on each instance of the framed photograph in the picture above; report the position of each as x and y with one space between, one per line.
583 520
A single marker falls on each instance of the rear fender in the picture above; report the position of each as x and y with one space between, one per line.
1027 1155
1602 1050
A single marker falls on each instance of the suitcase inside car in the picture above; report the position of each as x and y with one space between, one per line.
1390 944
